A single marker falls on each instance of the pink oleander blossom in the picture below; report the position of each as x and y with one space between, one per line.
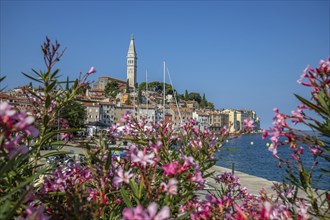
143 158
36 213
122 177
163 214
91 70
303 211
171 188
172 169
316 150
138 213
248 124
15 126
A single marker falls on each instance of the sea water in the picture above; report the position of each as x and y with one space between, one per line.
250 154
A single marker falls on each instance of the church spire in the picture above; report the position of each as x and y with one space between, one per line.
131 49
131 63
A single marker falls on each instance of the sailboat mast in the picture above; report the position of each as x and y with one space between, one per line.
146 94
164 92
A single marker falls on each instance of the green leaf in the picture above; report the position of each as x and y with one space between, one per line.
109 160
21 185
208 175
30 77
134 188
324 103
124 194
50 87
141 189
310 104
186 215
47 103
35 94
37 73
53 75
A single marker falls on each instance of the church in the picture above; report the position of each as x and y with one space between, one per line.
131 71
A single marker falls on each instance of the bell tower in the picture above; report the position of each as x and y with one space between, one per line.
131 64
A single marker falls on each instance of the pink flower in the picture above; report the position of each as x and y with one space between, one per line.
91 70
122 177
134 213
35 213
14 146
6 110
316 150
197 178
303 211
171 187
149 214
248 124
171 169
163 214
143 158
31 131
264 134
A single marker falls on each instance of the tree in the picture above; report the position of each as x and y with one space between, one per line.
210 105
203 102
112 88
75 113
195 96
186 95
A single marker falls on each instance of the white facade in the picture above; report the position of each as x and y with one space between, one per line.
202 118
107 113
93 114
149 113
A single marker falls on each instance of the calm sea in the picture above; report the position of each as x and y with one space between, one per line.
250 155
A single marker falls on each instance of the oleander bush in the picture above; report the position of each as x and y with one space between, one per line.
161 174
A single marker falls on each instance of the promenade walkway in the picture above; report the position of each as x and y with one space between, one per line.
253 183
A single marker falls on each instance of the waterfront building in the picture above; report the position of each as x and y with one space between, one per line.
232 119
192 104
93 111
107 113
159 114
202 119
218 120
120 110
186 115
147 111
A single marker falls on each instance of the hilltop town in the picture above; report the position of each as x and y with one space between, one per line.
109 98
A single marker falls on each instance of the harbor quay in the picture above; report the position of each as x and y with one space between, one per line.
253 184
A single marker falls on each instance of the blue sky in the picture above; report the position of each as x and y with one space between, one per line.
241 54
